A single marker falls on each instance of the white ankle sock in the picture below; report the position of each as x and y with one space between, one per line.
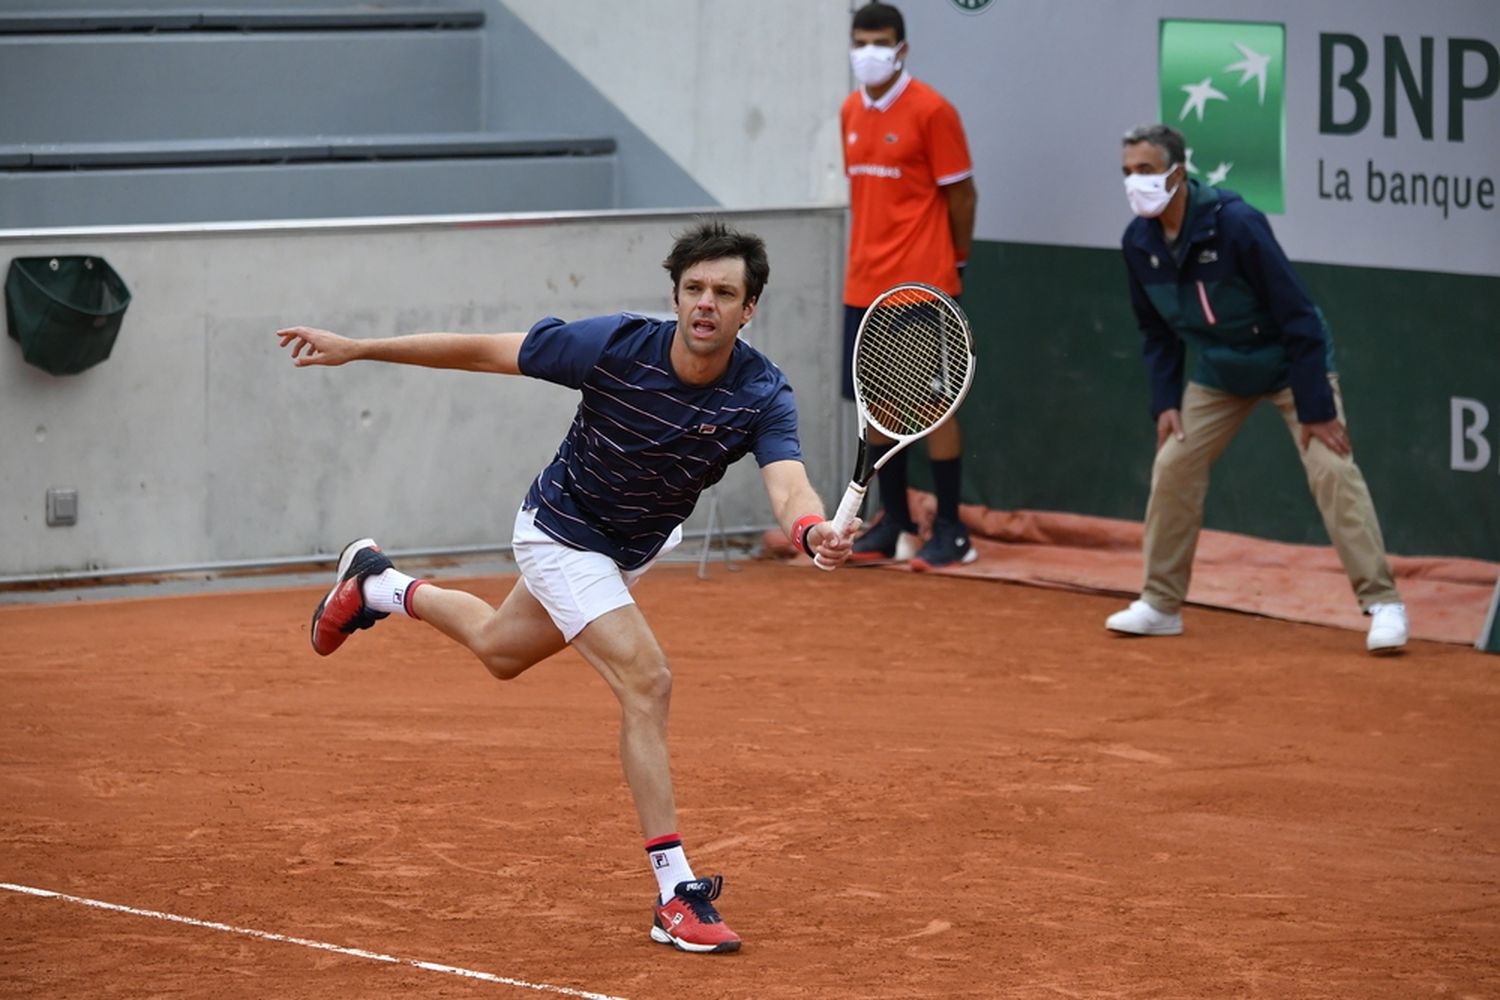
387 591
669 864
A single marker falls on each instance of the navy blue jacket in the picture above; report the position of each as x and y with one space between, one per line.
1227 289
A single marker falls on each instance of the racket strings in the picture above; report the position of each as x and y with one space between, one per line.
913 362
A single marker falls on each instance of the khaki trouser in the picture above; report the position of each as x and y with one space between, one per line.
1179 482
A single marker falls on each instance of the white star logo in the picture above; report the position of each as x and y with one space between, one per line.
1187 164
1220 173
1199 94
1253 66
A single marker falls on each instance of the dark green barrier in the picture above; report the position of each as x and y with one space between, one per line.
1057 419
65 311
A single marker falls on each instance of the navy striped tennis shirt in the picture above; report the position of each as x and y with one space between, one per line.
644 444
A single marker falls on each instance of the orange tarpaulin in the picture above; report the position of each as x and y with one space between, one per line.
1446 598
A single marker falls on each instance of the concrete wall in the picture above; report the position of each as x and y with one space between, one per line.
530 87
198 442
182 126
743 97
171 195
103 87
710 103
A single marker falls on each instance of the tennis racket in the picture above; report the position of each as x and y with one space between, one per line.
913 365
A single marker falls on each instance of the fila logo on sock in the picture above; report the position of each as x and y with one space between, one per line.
399 596
659 860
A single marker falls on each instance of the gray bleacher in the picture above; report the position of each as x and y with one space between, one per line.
169 111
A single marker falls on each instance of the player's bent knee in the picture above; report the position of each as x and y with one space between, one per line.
654 683
647 683
504 668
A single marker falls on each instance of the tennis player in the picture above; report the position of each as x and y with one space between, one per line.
667 407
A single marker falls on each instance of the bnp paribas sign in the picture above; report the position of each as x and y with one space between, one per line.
1427 90
1223 85
1403 121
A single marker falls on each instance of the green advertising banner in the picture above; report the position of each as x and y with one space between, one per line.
1223 87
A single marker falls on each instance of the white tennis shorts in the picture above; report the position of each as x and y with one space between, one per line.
574 585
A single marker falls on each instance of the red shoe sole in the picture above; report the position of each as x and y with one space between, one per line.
333 638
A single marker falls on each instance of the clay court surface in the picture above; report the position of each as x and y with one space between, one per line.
915 787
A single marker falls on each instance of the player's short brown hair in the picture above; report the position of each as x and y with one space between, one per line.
711 239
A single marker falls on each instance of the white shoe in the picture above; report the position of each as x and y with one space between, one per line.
1387 628
1142 619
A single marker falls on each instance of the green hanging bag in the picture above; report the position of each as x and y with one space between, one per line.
65 311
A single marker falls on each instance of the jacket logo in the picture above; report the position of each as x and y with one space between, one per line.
1155 262
1208 256
708 428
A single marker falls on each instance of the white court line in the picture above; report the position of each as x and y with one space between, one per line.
321 946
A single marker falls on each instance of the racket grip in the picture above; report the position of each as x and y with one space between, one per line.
844 516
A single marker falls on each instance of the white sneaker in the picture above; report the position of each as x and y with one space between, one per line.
1142 619
1387 628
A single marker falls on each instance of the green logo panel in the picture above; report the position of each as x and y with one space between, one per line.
1223 85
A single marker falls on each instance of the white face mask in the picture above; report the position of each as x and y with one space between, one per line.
1148 194
873 64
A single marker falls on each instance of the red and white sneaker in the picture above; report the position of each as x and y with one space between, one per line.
689 922
343 611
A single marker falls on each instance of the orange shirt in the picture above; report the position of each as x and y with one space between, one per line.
898 154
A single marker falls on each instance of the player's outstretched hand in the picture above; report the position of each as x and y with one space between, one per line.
830 547
311 346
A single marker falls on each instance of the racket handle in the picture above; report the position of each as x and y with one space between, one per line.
843 517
